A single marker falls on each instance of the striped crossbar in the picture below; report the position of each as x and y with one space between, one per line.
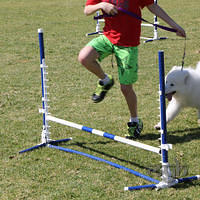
104 134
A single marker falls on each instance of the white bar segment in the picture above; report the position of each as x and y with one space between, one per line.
138 144
101 133
97 132
64 122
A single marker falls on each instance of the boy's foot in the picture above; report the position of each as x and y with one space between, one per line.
101 90
134 129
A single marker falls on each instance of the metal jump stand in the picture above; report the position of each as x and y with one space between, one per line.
155 30
98 29
167 180
45 137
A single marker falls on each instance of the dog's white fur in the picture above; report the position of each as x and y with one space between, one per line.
182 88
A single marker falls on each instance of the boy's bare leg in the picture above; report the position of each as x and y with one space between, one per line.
88 58
131 99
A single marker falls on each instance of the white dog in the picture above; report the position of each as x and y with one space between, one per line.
182 89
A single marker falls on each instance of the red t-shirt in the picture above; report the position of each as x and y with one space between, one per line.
122 29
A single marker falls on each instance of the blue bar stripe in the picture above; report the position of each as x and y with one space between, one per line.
85 128
108 135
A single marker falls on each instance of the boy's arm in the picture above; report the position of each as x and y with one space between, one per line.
106 7
158 11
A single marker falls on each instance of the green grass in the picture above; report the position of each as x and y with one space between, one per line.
50 174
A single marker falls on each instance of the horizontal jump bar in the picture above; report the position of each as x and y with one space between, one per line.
104 134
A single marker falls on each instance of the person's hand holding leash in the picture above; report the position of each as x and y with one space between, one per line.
109 8
180 31
158 11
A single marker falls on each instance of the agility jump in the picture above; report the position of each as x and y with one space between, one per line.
167 180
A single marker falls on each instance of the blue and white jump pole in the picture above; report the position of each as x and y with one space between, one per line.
44 80
45 136
166 175
166 181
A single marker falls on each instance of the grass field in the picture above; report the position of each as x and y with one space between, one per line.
51 174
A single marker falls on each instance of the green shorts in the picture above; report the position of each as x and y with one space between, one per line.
126 57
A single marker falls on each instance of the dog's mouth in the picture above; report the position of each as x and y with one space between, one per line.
169 95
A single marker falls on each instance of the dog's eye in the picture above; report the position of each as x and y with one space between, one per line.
172 84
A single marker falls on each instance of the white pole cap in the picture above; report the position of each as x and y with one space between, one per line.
40 30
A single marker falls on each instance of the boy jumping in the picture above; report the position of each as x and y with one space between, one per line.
121 36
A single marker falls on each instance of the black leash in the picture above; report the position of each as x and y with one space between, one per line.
137 17
184 54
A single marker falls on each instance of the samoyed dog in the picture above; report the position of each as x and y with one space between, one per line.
182 89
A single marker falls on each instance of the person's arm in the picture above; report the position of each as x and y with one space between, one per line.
106 7
158 11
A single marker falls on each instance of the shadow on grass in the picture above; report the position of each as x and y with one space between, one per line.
149 136
188 135
83 145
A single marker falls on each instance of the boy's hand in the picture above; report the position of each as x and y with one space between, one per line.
158 11
109 8
180 32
